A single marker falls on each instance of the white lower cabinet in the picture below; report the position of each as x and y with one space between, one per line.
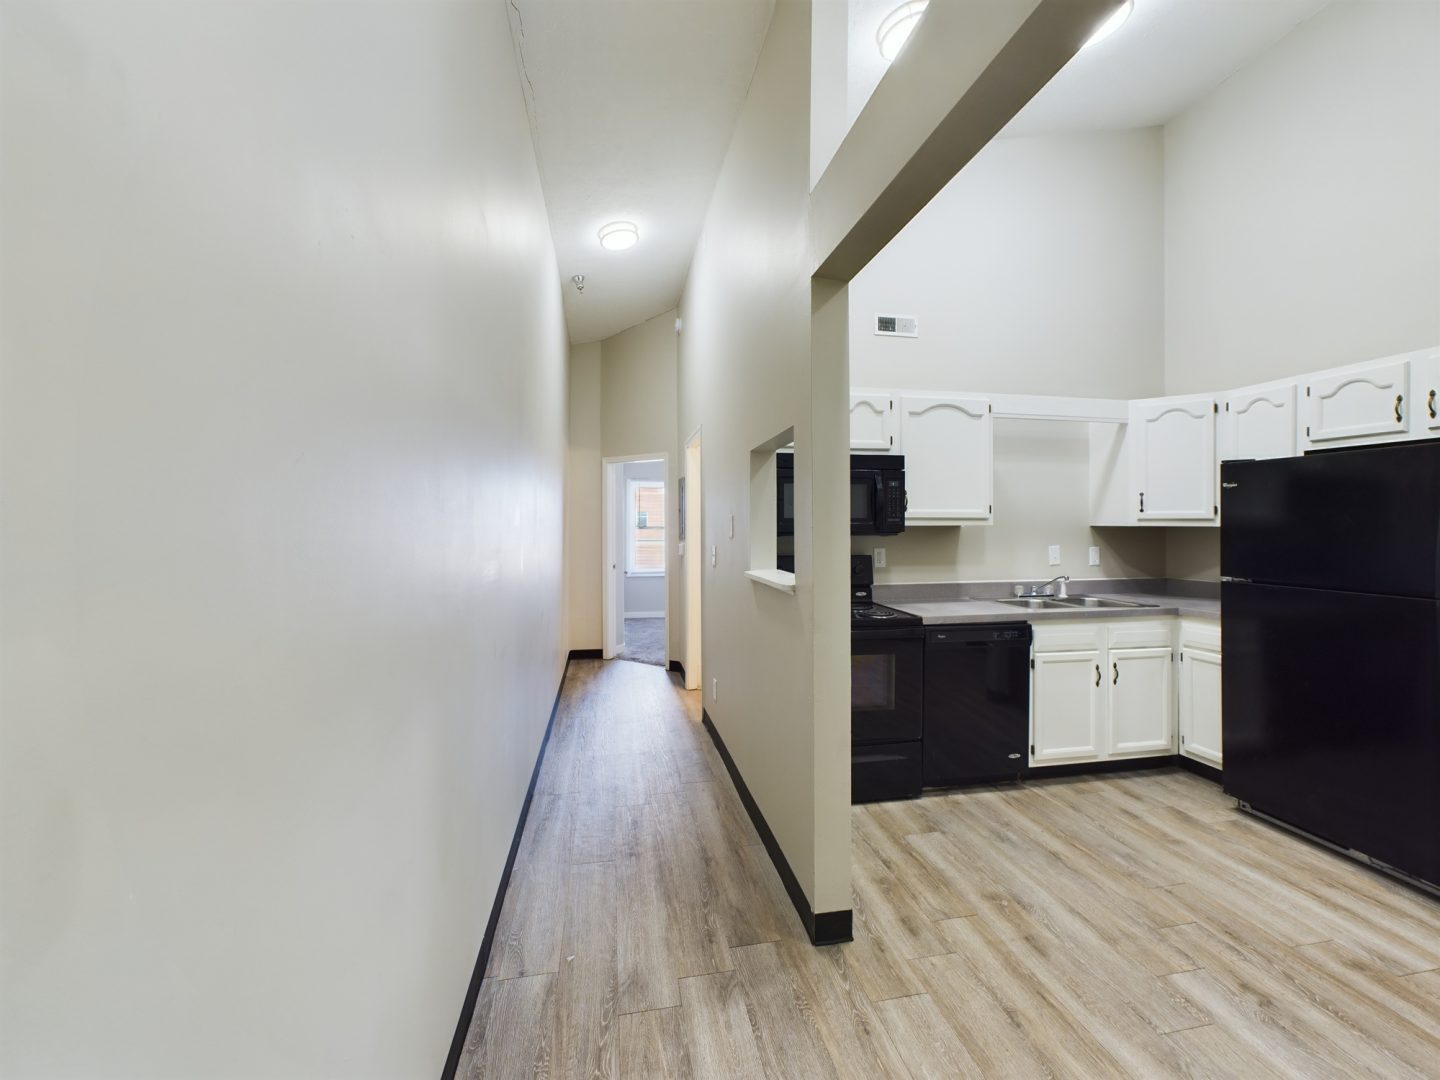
1102 690
1200 723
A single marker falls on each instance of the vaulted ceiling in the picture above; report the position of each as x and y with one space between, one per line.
632 105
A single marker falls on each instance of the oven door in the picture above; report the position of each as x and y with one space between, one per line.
785 500
866 496
887 680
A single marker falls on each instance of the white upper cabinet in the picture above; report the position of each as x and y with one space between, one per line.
1172 444
1425 386
1259 422
1358 403
949 449
872 422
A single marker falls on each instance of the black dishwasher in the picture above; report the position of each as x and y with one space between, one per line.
977 703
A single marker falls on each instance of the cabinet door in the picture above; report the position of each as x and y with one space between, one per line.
1259 422
1359 403
1200 736
1141 701
1425 382
948 459
872 422
1173 442
1066 698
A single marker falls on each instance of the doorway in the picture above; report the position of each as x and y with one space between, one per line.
636 564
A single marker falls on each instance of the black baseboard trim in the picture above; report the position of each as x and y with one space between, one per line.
472 992
676 666
825 927
1199 768
587 654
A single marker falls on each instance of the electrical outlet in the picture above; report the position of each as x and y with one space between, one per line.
714 689
680 549
879 557
1094 556
714 557
1054 554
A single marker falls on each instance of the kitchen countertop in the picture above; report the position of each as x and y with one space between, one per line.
951 612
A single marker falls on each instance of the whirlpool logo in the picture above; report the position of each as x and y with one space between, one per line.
1228 484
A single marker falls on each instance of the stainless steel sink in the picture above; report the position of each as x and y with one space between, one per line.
1036 603
1099 602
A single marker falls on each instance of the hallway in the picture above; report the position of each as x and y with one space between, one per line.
1130 925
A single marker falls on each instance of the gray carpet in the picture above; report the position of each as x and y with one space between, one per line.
644 641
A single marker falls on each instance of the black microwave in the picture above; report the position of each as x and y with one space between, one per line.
877 494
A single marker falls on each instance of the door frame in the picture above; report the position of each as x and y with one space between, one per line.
612 614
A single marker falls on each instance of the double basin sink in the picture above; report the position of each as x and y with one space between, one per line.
1069 603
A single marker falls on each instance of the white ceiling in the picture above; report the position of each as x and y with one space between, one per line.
632 104
1166 56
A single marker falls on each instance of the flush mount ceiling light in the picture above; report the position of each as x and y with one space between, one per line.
895 28
619 235
1110 25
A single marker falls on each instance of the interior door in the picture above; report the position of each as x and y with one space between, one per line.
1174 447
1141 701
1066 700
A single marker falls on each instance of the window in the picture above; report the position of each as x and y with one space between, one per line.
645 532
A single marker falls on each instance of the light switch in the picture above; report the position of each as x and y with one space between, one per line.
680 549
732 526
713 558
1094 556
714 689
879 558
1054 554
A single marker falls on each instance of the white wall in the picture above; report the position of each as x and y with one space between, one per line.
1301 208
281 453
644 595
1038 269
1302 213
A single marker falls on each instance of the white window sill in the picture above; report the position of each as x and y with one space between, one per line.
782 580
644 573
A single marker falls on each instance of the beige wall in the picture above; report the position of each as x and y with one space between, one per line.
584 498
1302 213
281 452
1038 269
745 376
622 404
1301 207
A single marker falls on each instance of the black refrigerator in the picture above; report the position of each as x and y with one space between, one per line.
1330 601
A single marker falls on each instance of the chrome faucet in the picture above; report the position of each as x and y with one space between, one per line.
1054 587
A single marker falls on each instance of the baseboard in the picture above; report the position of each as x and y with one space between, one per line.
675 665
586 654
1200 768
825 927
644 614
472 992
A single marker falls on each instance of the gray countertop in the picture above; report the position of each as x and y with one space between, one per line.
950 612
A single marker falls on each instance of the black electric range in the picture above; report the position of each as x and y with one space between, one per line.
887 686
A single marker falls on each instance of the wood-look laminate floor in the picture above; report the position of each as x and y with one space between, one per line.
1130 925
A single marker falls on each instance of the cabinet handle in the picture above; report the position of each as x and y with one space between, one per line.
1398 399
1097 674
1430 404
1142 502
1116 680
